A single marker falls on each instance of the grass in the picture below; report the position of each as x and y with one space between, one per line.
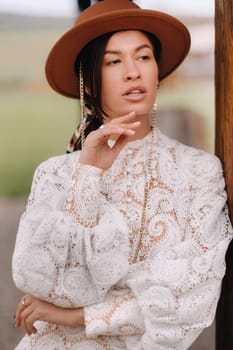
37 123
33 127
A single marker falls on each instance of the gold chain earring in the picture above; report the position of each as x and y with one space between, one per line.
154 111
153 116
82 104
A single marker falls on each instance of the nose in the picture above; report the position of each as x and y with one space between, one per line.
131 71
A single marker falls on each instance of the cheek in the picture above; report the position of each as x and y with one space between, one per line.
152 80
109 81
153 75
106 95
109 89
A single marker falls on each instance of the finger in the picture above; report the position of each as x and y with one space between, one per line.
125 125
129 131
120 143
104 133
126 128
25 301
29 326
18 312
28 321
28 317
18 316
131 126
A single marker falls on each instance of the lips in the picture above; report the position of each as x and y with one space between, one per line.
134 91
134 94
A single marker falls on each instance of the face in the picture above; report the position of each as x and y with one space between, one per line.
129 75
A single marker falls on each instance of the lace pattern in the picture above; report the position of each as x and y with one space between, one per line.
60 255
164 301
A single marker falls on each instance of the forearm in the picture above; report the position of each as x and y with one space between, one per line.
32 309
70 318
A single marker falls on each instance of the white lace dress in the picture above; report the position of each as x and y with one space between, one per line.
78 235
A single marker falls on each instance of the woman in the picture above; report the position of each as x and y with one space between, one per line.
122 243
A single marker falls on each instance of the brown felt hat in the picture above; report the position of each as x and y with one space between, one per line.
108 16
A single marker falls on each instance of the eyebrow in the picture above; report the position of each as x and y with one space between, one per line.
117 52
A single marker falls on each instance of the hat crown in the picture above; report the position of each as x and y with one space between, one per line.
111 16
104 7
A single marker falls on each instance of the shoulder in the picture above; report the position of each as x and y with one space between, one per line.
52 176
58 166
193 162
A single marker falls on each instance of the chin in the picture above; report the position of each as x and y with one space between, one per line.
142 109
139 110
142 112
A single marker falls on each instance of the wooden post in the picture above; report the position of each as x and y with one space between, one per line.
224 150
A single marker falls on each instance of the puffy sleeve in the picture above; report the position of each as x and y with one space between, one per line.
71 245
176 292
179 290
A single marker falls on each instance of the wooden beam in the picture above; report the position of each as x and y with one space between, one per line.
224 150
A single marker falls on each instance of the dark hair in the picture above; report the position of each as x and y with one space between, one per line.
91 58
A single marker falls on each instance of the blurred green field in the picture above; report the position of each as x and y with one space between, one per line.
34 126
37 123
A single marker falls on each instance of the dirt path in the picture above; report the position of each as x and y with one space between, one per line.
10 211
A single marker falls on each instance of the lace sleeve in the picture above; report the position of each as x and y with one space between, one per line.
174 296
179 290
69 255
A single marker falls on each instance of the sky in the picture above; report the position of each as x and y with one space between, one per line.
68 7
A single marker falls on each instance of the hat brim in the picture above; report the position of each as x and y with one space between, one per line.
173 35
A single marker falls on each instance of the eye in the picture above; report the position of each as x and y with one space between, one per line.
143 58
113 62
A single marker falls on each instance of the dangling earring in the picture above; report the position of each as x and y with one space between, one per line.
154 111
153 116
80 130
82 104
